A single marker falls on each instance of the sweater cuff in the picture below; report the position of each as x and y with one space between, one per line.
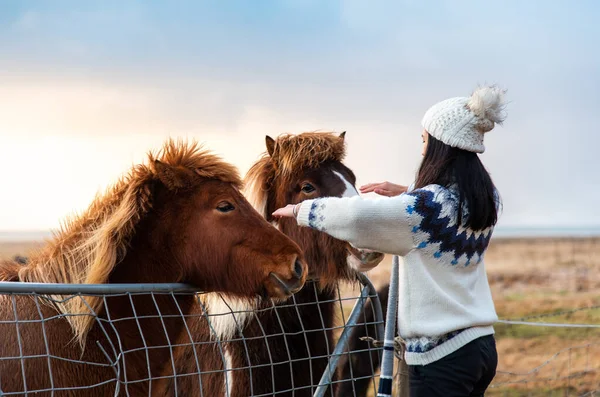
303 217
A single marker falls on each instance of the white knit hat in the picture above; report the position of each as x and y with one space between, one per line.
461 122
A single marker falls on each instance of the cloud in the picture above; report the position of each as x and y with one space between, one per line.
230 73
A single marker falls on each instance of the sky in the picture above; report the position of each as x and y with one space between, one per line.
88 88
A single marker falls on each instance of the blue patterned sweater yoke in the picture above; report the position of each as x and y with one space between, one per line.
441 227
445 300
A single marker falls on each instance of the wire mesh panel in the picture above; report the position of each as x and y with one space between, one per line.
169 340
283 349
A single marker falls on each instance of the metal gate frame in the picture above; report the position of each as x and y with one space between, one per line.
367 292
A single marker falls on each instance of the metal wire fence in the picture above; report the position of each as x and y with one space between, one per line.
571 367
546 294
168 339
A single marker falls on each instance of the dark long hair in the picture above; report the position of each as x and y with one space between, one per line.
445 165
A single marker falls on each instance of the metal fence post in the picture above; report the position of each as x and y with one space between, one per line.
367 291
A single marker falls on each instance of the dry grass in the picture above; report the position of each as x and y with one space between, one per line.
546 363
12 248
533 276
527 277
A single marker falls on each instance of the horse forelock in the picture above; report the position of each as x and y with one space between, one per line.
87 247
192 156
293 155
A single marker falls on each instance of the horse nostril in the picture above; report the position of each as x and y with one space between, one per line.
298 269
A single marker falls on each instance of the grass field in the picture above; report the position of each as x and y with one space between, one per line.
552 277
529 277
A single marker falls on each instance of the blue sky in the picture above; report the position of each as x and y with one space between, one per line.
89 87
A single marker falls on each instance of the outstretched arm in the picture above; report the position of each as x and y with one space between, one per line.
382 224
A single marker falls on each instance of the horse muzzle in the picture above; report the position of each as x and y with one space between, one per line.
363 260
281 287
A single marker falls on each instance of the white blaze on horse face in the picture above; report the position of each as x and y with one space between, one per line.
350 189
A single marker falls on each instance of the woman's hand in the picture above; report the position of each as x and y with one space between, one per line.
289 211
384 189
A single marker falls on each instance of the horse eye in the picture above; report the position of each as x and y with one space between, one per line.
308 188
224 206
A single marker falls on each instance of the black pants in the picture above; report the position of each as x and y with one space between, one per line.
465 373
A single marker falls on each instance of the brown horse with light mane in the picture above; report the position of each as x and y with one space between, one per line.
178 218
285 346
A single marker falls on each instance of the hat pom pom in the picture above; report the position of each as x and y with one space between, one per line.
488 104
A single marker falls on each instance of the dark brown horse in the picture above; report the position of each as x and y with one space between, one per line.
283 347
178 218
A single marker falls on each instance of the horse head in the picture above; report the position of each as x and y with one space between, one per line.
301 167
201 230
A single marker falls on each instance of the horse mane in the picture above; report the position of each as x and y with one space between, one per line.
87 247
291 155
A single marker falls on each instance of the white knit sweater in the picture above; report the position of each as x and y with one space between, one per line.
445 300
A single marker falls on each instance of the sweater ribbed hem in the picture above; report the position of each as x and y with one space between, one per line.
448 347
303 213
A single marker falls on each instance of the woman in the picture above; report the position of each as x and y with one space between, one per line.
441 226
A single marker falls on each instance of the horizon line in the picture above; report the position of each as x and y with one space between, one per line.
26 235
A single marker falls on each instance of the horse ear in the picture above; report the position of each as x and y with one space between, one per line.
270 145
173 178
343 135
